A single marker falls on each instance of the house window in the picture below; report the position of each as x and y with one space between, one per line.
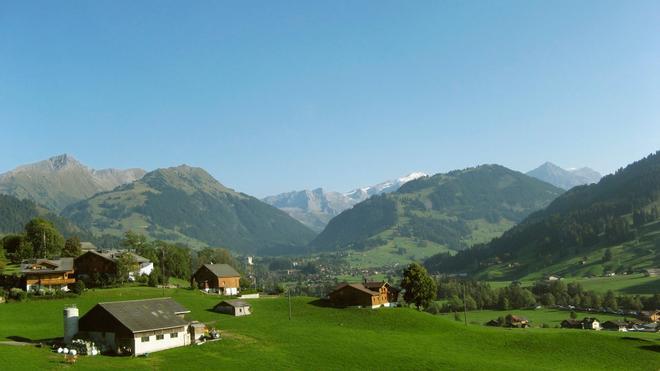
174 335
145 339
160 337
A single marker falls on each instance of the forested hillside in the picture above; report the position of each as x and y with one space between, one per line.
186 204
451 211
609 226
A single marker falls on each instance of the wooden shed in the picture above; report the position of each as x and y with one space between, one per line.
234 307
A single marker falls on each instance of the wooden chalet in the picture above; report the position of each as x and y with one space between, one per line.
95 263
516 321
236 308
53 274
220 278
136 327
650 316
590 323
615 326
571 323
367 294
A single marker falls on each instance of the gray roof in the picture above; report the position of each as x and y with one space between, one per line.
234 303
41 266
147 314
222 270
113 255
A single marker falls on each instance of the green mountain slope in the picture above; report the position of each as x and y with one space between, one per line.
440 213
15 214
611 226
186 204
61 180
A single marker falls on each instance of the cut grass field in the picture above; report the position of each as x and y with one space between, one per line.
325 338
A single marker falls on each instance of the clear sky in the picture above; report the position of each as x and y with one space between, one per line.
271 96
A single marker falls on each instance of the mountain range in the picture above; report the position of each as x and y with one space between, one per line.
612 226
315 208
186 204
444 212
565 179
61 180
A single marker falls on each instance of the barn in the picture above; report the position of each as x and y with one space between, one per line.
136 327
221 278
234 307
367 294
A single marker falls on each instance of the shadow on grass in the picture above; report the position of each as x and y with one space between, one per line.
652 287
323 303
652 348
21 339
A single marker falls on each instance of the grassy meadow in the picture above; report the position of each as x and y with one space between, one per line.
632 284
326 338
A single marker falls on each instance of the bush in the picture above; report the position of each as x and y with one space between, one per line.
18 294
434 308
78 287
545 325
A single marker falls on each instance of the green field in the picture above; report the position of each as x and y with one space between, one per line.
324 338
632 284
537 317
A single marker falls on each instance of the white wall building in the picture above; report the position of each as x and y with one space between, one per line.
137 326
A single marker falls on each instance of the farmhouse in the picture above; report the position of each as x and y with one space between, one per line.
650 316
54 274
571 323
234 307
590 323
221 278
652 272
516 321
96 263
367 294
137 326
615 326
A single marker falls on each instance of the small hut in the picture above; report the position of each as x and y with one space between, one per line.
233 307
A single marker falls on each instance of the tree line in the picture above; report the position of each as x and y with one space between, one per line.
473 295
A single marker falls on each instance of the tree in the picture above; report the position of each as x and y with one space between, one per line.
126 263
45 239
610 300
134 241
420 288
607 255
573 314
72 247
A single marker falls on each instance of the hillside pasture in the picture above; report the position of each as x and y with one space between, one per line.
319 338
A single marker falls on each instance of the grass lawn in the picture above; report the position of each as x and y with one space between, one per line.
326 338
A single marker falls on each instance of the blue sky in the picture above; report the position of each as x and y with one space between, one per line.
275 96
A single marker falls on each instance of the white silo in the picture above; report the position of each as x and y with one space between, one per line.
70 323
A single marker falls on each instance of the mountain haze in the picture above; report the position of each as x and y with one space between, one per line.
187 204
61 180
447 211
565 179
317 207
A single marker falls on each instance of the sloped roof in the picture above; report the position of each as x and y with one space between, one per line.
222 270
234 303
45 266
147 314
113 255
356 286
